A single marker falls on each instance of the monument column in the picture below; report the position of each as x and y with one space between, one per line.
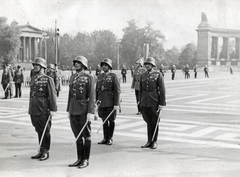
36 47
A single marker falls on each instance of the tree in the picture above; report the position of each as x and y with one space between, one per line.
172 56
188 55
9 41
105 46
134 39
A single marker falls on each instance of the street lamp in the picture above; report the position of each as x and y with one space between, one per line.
118 41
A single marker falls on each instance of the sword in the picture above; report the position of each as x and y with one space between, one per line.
159 116
6 88
78 136
106 119
45 128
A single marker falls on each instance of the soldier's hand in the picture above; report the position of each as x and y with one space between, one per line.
116 108
51 113
90 116
160 107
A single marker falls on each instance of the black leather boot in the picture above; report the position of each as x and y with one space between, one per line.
86 154
77 163
105 133
38 156
79 154
147 145
84 164
110 133
45 156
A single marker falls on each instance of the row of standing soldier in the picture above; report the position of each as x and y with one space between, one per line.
81 102
8 78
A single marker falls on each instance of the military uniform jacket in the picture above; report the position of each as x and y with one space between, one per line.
18 77
108 90
152 89
136 77
55 78
42 95
173 70
81 95
6 77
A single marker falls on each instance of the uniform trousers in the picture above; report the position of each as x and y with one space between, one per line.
39 122
18 90
83 143
7 92
109 125
150 116
137 94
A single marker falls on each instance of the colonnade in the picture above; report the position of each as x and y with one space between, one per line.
30 48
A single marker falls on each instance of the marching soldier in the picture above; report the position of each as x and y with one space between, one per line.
81 109
152 92
136 81
41 105
53 74
6 82
18 79
124 73
108 92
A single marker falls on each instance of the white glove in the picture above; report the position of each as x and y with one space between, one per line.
116 108
160 107
51 113
90 116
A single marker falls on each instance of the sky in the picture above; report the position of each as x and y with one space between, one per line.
176 19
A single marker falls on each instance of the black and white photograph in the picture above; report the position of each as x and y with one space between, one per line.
119 88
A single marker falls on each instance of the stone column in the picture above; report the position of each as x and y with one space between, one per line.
30 49
24 48
35 47
40 49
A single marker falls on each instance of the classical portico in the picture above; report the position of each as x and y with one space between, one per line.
32 44
217 46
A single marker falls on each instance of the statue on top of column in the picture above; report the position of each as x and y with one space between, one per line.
204 17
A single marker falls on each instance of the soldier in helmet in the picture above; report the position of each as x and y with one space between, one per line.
7 78
18 79
152 94
53 74
173 70
136 81
108 92
42 104
80 106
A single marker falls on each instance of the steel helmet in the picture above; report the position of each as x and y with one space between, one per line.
40 61
81 59
107 61
51 66
150 60
140 61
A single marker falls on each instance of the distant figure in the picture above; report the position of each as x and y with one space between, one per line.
132 71
231 70
162 70
124 74
206 71
173 70
136 81
18 79
195 71
98 70
187 75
